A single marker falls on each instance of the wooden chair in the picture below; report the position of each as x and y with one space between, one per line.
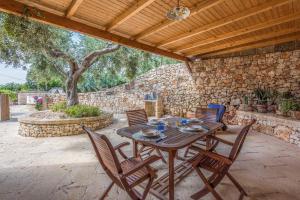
126 174
208 115
219 165
136 117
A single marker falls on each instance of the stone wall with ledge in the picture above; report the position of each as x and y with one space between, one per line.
216 80
284 128
34 127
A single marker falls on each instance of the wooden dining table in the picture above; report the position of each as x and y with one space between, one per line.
173 140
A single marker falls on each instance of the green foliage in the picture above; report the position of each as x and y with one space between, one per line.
272 96
287 105
16 87
38 106
59 107
261 95
43 79
24 43
246 99
78 111
12 95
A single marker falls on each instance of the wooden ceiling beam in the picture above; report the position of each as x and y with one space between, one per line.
133 10
199 7
17 8
266 24
239 32
247 40
227 20
73 8
260 44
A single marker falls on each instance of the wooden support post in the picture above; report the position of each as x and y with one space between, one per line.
4 107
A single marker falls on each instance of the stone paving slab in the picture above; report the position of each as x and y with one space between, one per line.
65 168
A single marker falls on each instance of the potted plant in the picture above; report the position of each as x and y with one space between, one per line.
261 95
272 97
285 106
285 103
295 110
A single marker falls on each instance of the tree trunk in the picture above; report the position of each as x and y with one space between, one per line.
71 89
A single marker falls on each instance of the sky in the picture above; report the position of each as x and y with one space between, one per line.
10 74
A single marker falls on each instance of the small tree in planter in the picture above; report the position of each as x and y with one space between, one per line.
261 95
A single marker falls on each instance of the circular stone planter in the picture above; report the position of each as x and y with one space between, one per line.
33 126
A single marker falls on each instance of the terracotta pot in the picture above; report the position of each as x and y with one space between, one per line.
261 108
295 114
272 108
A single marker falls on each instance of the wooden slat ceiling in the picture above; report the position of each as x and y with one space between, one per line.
214 27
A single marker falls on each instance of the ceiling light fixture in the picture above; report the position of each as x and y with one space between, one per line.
179 12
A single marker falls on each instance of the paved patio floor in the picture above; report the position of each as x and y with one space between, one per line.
65 168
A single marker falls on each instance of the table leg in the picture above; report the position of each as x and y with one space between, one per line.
135 148
172 155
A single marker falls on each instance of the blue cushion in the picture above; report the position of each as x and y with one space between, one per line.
221 110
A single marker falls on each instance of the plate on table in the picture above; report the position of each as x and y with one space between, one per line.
150 133
154 122
193 128
196 120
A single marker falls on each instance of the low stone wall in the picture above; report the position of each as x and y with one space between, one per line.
22 96
33 127
284 128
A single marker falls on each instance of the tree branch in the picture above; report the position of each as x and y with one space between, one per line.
56 53
60 71
92 57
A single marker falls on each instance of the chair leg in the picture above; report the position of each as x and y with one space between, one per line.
147 189
106 191
186 152
160 155
240 188
199 194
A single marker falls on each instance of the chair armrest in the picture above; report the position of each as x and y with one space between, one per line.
212 155
118 148
142 164
123 144
221 140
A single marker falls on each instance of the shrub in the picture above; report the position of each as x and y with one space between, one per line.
82 111
287 105
12 95
38 102
59 107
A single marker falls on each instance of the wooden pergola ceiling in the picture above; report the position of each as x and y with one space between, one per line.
214 27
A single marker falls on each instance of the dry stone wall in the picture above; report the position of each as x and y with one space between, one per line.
217 80
172 82
224 80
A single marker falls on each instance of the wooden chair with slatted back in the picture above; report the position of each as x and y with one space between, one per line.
126 174
219 165
208 115
136 117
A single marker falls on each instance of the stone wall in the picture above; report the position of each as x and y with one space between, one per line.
36 127
286 129
216 80
225 80
172 82
22 96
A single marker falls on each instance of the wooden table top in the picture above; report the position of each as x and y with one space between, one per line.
175 138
